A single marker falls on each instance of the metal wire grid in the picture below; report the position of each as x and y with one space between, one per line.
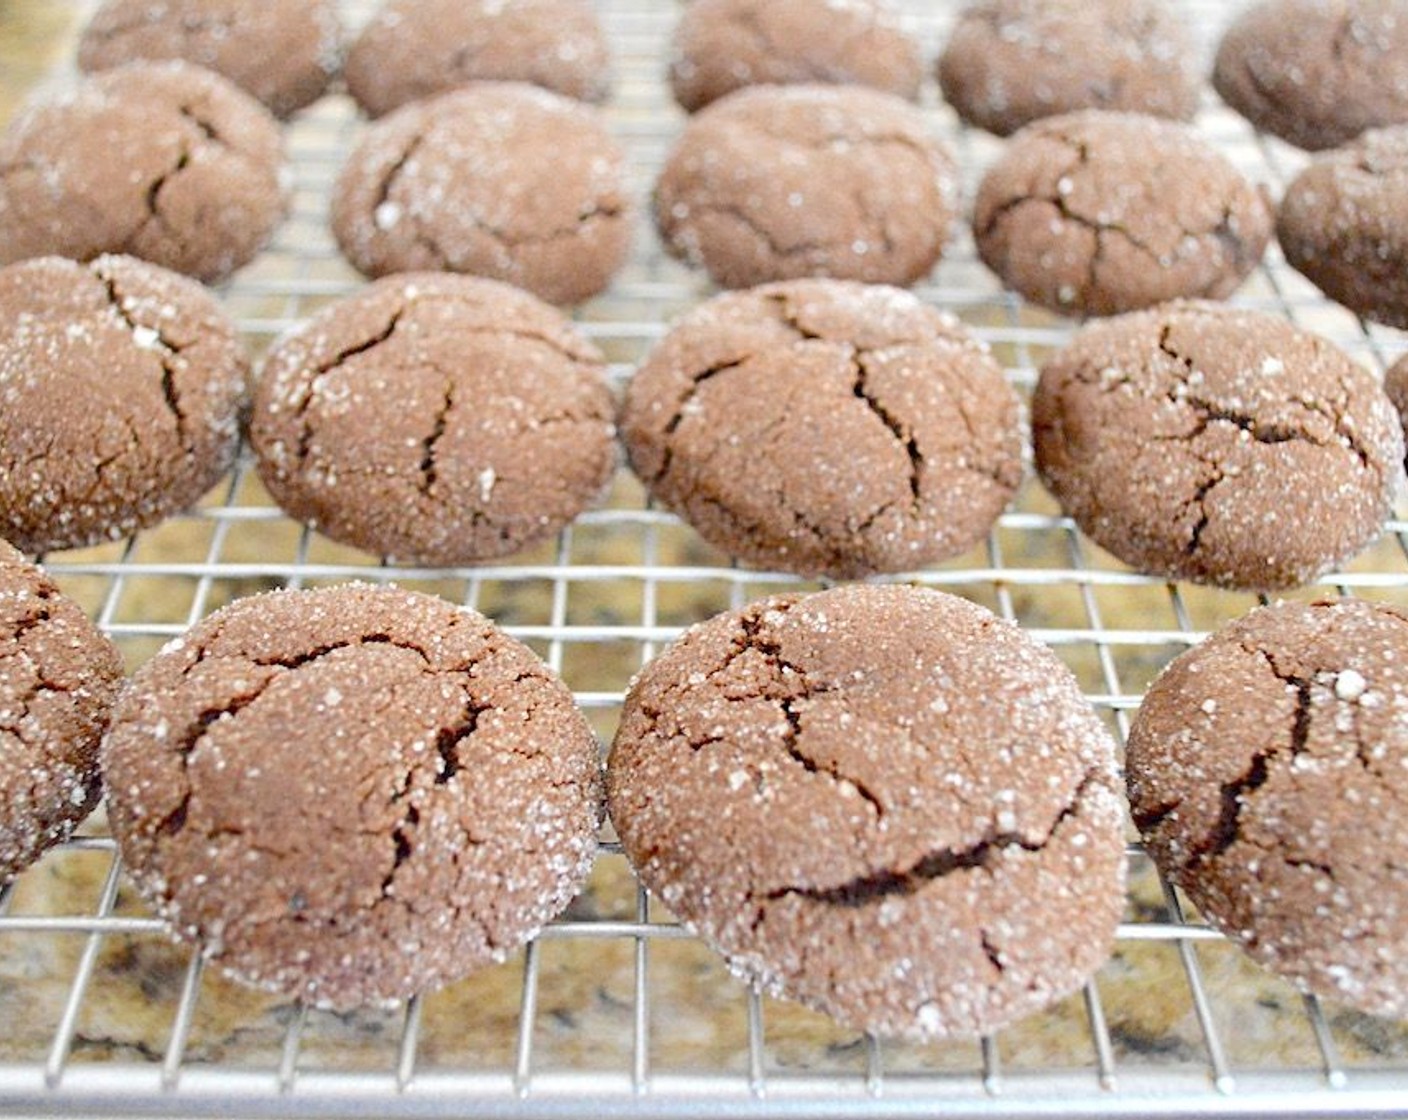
1032 558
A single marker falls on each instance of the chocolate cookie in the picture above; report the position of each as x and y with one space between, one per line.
434 418
1010 62
162 160
414 49
1222 446
777 182
58 679
284 54
1096 213
501 180
827 428
122 386
1396 386
353 794
723 45
1317 72
1268 772
881 801
1343 222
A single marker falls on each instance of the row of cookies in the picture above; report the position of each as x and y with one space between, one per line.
1315 74
1091 213
462 793
444 420
1087 214
287 55
826 788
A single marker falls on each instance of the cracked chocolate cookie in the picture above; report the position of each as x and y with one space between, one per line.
1095 213
414 49
353 794
284 54
723 45
881 801
501 179
1199 442
165 161
59 677
1268 772
778 182
1010 62
826 427
122 386
1343 222
1317 73
1396 386
435 419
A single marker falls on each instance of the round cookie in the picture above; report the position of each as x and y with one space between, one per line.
827 428
1228 447
162 160
1097 213
59 677
122 386
435 419
1396 386
881 801
284 54
1268 772
414 49
1317 73
353 794
1010 62
779 182
1343 222
723 45
502 180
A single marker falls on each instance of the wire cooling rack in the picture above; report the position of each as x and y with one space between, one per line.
614 1010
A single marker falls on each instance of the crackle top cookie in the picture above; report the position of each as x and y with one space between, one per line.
1197 441
1268 772
352 794
1317 72
59 677
881 801
499 179
165 161
1010 62
1096 213
826 427
723 45
782 182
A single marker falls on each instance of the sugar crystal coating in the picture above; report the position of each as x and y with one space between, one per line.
1268 772
1343 222
352 794
1201 442
781 182
1317 72
824 426
165 161
160 375
500 179
878 800
1098 212
283 53
723 45
59 677
1010 62
436 419
413 49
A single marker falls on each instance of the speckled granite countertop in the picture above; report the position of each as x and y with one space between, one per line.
596 604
